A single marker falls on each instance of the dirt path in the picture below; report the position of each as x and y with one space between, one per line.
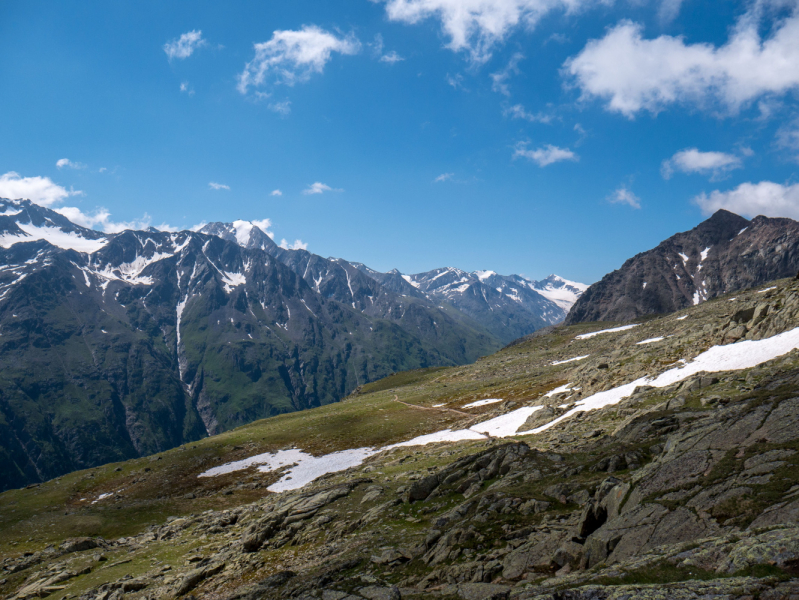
460 412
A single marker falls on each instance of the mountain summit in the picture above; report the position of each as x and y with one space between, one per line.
723 254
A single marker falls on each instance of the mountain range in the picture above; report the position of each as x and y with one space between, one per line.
121 345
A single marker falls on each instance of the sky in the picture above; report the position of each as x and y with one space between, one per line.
521 136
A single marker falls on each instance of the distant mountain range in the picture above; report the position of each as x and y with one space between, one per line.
723 254
121 345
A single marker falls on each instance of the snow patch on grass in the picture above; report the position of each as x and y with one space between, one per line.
585 336
568 360
483 402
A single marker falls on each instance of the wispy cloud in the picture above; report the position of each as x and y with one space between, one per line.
477 26
623 195
66 163
319 188
691 160
377 51
391 57
276 193
186 88
185 45
500 78
545 155
293 56
444 177
218 186
455 81
517 111
281 108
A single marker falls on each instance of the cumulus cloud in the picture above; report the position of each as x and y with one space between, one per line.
297 245
319 188
751 199
101 219
476 26
264 225
185 45
444 177
499 80
218 186
42 191
39 190
65 162
293 56
691 160
517 111
545 155
634 74
276 193
623 195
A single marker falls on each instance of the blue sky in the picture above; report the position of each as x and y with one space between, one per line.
523 136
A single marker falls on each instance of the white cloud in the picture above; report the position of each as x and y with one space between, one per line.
623 195
377 51
499 80
444 177
391 58
319 188
788 137
185 45
517 111
218 186
276 193
668 11
281 108
634 74
101 219
186 88
544 156
476 26
39 190
297 245
264 225
692 160
292 56
42 191
751 199
455 81
65 162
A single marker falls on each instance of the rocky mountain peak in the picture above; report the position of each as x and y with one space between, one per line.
723 254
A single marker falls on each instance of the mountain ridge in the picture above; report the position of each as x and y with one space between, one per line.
120 345
723 254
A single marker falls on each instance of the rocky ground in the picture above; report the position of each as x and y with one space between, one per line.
687 491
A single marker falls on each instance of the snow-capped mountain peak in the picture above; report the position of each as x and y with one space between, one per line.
562 292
